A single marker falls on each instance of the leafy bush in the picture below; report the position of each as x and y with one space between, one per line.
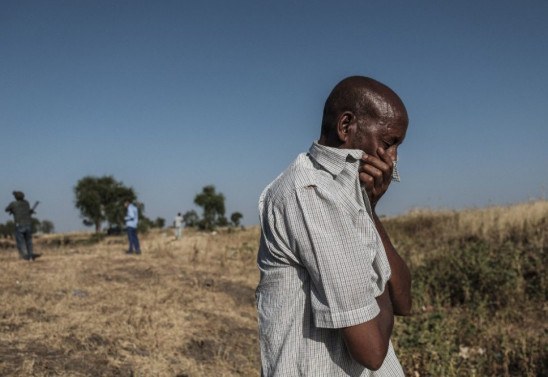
479 290
474 275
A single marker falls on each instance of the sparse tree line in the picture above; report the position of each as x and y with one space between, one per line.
100 200
45 226
213 205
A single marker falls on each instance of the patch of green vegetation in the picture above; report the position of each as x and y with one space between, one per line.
479 297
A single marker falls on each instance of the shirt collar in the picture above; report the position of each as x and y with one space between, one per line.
333 159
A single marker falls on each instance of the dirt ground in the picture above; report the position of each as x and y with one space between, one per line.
184 308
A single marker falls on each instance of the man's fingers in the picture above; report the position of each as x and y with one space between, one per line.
388 160
367 180
375 166
378 162
375 173
372 171
385 156
373 180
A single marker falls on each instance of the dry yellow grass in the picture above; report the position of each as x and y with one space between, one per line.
499 222
423 233
493 223
183 308
186 308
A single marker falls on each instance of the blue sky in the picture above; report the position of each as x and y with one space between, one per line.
170 96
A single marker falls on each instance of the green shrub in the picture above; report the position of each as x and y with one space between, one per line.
475 275
479 291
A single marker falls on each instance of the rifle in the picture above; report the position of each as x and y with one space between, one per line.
34 206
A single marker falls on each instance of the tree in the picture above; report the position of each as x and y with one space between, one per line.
9 229
35 225
46 226
235 218
160 222
102 199
213 205
222 221
191 219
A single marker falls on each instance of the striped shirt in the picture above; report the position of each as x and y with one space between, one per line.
322 264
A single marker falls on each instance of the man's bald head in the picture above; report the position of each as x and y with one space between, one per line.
366 99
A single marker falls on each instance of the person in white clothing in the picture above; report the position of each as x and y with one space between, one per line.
331 280
178 223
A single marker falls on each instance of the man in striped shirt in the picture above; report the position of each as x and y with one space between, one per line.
331 280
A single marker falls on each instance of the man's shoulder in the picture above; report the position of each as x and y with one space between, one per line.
300 173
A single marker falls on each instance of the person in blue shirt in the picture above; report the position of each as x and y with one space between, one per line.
132 220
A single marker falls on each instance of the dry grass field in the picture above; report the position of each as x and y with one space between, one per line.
186 308
183 308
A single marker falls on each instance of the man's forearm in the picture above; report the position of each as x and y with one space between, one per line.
368 342
400 282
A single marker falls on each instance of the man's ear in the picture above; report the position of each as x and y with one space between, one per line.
344 123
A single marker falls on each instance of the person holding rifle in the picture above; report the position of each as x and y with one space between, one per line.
21 211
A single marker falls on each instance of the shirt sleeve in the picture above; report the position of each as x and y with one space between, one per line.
130 213
338 258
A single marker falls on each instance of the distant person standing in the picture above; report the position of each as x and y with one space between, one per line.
132 220
178 222
21 211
